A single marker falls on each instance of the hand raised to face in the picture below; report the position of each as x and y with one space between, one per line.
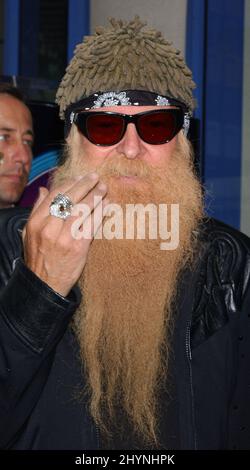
50 250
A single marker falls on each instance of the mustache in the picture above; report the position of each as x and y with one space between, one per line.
122 166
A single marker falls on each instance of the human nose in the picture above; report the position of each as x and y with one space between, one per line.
131 144
21 153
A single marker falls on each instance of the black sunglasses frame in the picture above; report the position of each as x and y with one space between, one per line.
80 119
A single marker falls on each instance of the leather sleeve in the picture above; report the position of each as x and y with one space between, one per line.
33 319
33 311
221 332
239 416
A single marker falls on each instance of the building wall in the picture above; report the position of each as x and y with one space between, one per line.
1 33
245 178
166 15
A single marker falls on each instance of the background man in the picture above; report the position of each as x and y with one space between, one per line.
149 356
16 140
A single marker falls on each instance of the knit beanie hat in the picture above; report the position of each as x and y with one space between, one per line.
125 56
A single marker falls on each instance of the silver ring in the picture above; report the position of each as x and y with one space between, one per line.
61 206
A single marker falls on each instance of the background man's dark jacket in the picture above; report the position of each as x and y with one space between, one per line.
40 374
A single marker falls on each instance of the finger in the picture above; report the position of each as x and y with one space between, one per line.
88 204
43 192
24 233
37 220
82 187
87 224
78 185
97 220
41 196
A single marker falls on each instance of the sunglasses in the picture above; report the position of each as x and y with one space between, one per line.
108 128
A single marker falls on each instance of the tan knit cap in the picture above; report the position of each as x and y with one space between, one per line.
122 56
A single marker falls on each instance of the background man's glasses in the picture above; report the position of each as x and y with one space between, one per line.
107 128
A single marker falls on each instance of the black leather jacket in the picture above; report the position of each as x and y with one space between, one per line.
40 373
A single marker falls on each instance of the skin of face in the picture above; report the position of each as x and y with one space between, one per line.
16 140
131 144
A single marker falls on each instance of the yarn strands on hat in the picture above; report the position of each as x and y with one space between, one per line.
123 56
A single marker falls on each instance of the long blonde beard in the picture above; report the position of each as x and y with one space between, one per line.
129 287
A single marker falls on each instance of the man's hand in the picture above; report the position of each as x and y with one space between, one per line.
50 251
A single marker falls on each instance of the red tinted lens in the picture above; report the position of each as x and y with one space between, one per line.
104 129
158 127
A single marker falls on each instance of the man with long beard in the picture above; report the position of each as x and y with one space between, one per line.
113 342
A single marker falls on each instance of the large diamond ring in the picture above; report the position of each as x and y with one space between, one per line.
61 206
